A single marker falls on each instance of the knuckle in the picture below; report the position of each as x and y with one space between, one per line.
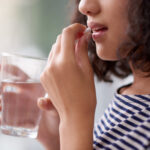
50 69
53 45
42 77
45 73
58 41
59 36
76 25
67 30
70 28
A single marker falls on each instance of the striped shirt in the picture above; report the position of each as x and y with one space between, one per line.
125 124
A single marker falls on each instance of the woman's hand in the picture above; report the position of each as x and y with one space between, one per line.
48 133
68 77
69 81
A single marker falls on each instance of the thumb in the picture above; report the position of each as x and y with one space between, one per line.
82 51
44 103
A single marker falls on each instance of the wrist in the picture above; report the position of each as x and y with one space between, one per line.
78 131
73 114
51 144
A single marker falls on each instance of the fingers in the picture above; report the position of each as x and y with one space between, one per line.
44 104
69 36
82 51
55 48
65 42
51 52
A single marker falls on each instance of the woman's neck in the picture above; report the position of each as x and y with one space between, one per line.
140 85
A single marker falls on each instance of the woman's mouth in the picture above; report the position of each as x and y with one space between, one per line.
98 31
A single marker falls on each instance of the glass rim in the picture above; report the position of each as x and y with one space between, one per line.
21 55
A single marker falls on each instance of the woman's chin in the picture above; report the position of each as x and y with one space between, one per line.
106 56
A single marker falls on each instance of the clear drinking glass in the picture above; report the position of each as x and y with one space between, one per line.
20 88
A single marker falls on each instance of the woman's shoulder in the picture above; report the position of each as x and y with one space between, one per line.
125 124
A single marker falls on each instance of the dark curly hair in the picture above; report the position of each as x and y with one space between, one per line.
139 44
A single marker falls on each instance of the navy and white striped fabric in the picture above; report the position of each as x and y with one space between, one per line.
125 125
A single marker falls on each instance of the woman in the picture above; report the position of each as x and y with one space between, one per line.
120 30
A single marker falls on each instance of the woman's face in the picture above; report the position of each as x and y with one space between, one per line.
109 22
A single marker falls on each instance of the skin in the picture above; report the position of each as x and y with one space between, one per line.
48 134
112 14
81 92
74 60
69 80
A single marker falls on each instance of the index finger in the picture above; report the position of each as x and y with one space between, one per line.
69 37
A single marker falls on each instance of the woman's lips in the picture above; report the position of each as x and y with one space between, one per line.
99 34
98 30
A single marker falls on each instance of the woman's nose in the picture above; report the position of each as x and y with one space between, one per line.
89 7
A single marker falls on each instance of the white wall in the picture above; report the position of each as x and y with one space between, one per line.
105 93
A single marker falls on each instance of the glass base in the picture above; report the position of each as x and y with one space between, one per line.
19 132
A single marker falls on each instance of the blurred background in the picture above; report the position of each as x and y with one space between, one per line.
30 27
